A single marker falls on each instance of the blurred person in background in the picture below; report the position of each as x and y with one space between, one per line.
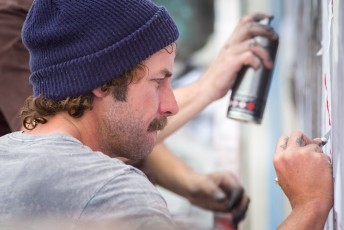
14 64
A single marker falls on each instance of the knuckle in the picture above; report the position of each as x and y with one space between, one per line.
276 160
248 56
297 133
245 19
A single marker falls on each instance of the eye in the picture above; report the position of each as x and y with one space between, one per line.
159 80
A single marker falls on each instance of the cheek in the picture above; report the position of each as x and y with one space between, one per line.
146 104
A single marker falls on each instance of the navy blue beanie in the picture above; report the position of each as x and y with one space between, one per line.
78 45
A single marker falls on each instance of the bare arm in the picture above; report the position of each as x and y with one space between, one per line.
238 51
217 191
309 216
169 171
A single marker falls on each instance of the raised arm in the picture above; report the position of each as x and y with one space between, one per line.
239 50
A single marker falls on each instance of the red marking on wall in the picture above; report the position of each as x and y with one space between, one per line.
327 104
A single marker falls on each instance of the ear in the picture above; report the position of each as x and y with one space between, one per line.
97 92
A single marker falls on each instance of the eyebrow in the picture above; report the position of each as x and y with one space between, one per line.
167 73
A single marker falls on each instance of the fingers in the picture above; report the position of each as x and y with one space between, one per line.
214 191
243 42
240 213
317 141
251 53
249 27
304 171
282 144
313 148
251 30
254 17
238 201
237 204
235 198
294 151
296 139
300 139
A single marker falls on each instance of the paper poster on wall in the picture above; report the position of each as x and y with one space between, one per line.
337 106
327 18
331 101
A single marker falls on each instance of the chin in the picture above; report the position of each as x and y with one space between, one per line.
153 135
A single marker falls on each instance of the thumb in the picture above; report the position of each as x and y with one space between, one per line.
214 191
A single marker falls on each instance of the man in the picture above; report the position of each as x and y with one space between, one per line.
101 87
203 190
78 51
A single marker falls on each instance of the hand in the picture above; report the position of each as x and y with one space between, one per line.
240 49
221 192
304 173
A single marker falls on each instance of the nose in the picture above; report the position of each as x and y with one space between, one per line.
168 103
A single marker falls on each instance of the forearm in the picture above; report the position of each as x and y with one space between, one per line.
309 217
191 100
215 191
169 171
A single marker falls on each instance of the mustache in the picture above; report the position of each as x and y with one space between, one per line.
157 124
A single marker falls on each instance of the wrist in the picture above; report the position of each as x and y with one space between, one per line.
215 84
206 90
315 211
191 182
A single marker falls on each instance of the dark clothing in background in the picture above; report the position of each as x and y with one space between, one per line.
14 63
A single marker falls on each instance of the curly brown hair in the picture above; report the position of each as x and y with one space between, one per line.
36 109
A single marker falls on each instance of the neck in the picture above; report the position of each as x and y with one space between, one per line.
75 127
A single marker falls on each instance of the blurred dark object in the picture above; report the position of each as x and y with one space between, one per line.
14 63
195 21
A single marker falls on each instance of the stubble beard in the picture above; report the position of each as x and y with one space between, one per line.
129 141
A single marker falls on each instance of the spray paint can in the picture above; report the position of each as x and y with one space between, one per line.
251 88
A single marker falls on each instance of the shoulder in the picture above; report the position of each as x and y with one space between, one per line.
129 190
129 196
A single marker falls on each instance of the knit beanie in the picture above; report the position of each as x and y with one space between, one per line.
77 45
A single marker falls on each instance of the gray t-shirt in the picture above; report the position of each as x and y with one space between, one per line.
55 178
